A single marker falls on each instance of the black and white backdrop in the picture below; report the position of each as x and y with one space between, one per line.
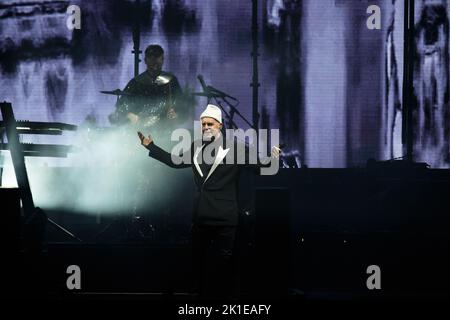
329 83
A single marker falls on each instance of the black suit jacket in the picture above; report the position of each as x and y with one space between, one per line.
216 191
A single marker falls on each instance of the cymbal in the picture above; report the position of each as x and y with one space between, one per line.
206 94
118 92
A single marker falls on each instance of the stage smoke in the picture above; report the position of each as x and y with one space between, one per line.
111 173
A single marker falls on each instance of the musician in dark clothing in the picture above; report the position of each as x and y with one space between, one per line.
153 97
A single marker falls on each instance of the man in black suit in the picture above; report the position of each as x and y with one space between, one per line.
215 215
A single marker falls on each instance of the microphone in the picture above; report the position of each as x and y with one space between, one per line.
202 82
221 93
209 91
206 91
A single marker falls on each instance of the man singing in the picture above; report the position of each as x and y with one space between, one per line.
215 216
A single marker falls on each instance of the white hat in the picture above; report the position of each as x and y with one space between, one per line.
212 111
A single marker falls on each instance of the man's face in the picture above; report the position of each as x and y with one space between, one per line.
210 127
154 64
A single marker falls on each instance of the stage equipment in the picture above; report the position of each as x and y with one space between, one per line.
19 151
220 98
255 81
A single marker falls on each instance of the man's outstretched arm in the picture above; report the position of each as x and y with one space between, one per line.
161 155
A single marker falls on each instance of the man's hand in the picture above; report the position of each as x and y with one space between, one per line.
171 114
145 141
134 118
276 151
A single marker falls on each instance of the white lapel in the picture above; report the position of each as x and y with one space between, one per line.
221 153
196 162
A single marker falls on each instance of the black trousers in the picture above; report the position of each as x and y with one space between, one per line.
214 263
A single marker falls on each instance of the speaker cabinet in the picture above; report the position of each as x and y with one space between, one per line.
272 242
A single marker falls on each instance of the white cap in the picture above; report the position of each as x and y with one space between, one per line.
212 111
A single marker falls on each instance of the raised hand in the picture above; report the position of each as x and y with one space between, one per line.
276 151
145 141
